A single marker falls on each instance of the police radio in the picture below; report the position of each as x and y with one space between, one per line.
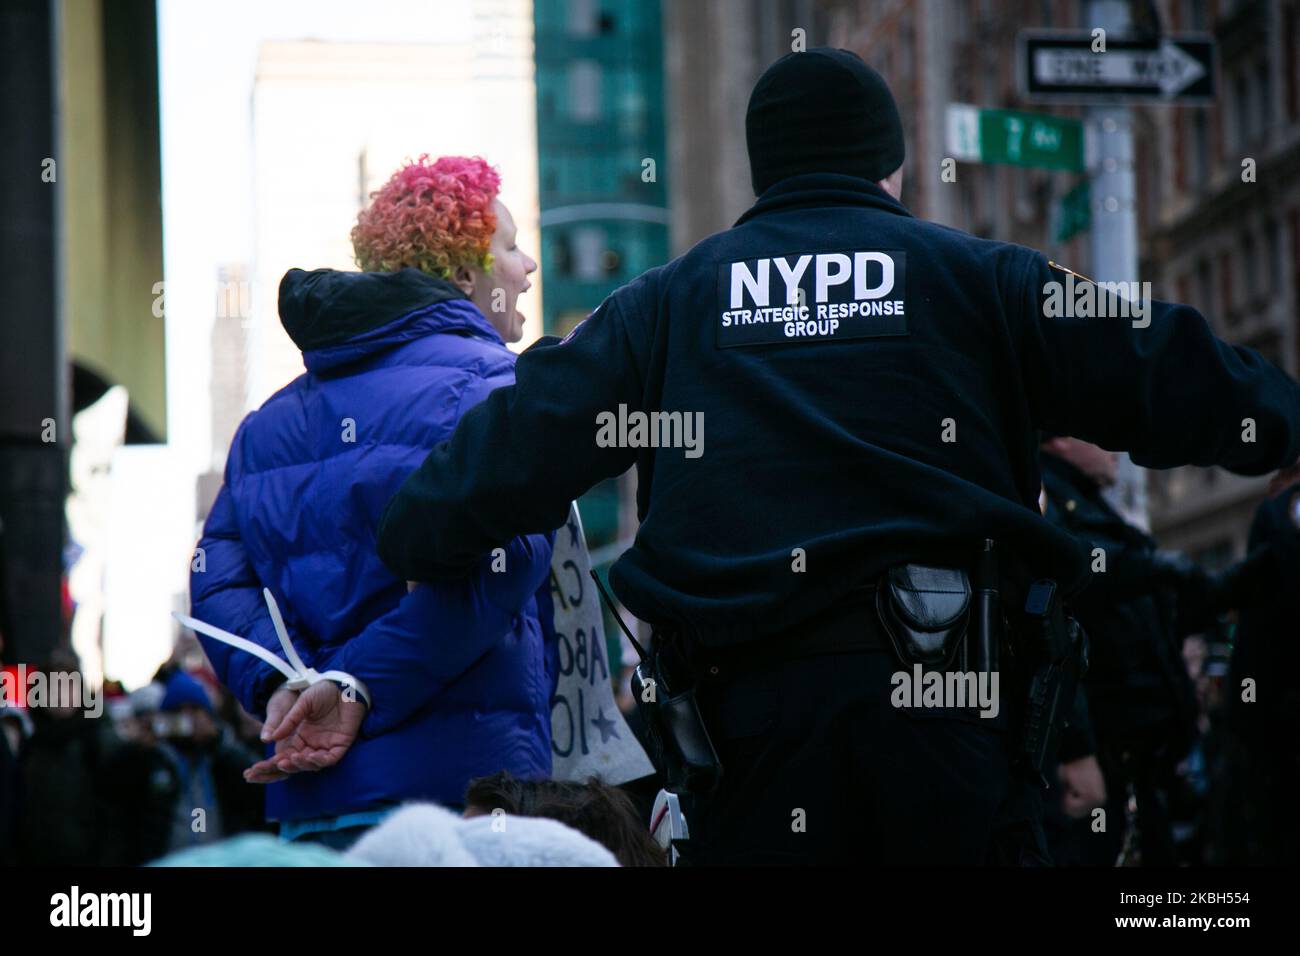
664 690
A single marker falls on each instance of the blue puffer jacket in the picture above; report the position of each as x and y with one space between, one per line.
460 672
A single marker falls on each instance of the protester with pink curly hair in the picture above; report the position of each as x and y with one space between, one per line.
444 219
431 686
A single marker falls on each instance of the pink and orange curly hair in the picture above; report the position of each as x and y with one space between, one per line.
434 217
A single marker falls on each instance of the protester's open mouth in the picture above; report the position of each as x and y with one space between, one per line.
519 315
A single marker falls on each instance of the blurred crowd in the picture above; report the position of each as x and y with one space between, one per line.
159 775
160 770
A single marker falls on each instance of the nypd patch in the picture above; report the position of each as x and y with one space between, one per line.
812 297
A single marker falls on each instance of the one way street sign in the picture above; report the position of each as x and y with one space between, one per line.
1057 67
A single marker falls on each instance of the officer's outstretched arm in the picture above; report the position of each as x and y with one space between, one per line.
1159 386
518 459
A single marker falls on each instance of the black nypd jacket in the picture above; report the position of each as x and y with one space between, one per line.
907 430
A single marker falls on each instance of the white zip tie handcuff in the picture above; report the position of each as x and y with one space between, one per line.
298 675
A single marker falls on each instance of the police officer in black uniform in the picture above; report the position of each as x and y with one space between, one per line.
1137 607
1263 690
870 388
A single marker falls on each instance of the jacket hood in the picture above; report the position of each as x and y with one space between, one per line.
336 318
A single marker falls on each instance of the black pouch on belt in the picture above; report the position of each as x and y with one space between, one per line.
925 611
679 742
663 686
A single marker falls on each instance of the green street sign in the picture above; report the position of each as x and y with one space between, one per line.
1074 213
1014 137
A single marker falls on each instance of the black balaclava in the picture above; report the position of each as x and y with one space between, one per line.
822 111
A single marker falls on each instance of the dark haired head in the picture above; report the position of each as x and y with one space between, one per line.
604 813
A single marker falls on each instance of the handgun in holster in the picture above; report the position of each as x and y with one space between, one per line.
1055 649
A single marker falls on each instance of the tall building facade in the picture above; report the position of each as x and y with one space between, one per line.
1220 225
602 168
713 55
228 385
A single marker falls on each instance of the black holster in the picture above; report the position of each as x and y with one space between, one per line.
1054 648
664 688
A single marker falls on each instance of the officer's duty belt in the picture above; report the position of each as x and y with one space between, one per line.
848 626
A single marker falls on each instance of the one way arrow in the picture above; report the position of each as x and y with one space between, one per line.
1167 68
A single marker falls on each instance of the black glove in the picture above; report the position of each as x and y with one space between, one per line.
1175 570
1199 595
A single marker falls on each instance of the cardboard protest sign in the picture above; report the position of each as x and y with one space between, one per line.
588 734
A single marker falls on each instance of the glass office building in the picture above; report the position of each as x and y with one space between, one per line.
602 161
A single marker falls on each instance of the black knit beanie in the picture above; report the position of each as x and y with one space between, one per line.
822 111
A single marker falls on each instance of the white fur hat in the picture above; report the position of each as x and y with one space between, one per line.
423 834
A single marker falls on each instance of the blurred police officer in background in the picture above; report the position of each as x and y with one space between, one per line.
1263 692
1138 606
872 386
